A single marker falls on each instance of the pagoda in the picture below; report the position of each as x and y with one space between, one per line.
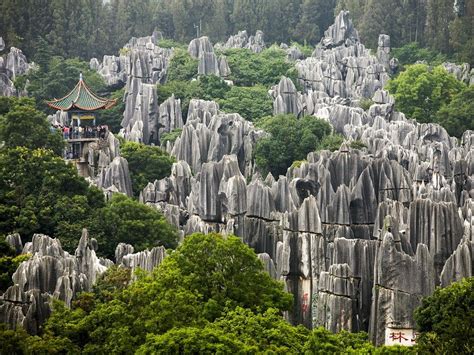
80 130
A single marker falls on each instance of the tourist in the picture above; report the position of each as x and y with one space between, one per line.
66 132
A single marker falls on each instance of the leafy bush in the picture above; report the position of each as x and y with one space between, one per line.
458 115
182 66
412 52
265 68
420 92
331 142
290 139
170 136
124 220
146 164
251 103
365 103
446 318
40 193
21 124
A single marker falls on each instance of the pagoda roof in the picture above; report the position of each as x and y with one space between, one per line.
81 98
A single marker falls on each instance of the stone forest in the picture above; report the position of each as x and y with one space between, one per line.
236 190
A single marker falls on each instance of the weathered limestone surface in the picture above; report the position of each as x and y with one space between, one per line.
52 273
49 273
255 43
13 64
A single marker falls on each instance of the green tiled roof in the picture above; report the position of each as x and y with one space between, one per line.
81 98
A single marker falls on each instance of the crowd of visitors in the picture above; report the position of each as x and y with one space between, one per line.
73 150
78 132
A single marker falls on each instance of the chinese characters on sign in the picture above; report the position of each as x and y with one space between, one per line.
400 336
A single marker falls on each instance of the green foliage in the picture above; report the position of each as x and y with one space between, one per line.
412 52
124 220
251 103
40 193
182 66
146 164
458 115
331 142
213 87
446 319
290 139
365 103
205 278
191 340
358 144
60 79
113 116
265 68
263 332
420 91
170 136
169 43
12 340
22 125
321 341
111 282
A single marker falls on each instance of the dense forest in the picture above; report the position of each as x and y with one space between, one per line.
90 28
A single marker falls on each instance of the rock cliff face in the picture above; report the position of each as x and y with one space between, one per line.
51 273
255 43
11 66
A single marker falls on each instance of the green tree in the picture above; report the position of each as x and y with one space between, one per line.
146 164
40 193
446 319
251 103
420 91
192 340
124 220
205 278
290 139
331 142
182 66
265 68
458 115
23 125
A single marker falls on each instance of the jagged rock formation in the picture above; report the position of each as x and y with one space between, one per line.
341 65
169 115
462 72
52 273
49 273
286 98
242 40
13 65
202 49
116 177
2 44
